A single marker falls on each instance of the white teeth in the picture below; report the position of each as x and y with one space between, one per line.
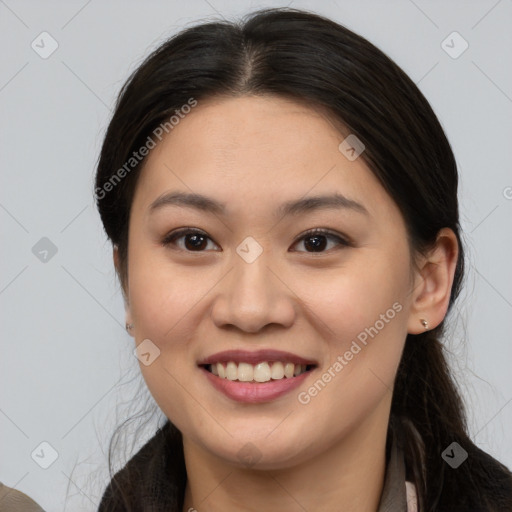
277 370
245 372
288 370
261 372
231 371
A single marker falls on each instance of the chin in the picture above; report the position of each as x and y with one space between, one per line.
258 452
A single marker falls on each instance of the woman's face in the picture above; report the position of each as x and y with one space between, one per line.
255 283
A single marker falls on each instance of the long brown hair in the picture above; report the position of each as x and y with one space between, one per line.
309 58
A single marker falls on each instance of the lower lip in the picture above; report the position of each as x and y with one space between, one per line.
258 392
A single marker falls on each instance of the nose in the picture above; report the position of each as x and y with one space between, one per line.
252 296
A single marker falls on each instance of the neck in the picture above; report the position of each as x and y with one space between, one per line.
349 477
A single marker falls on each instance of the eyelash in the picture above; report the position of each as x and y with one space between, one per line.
172 237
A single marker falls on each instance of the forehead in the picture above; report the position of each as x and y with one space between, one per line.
255 149
250 123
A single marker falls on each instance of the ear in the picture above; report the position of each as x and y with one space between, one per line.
433 283
115 254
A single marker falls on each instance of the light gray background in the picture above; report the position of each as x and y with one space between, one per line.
65 353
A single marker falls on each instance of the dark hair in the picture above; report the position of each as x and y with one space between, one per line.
308 58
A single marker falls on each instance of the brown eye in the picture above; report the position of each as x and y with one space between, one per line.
194 240
316 240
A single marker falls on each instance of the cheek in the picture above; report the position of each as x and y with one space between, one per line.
361 314
349 300
161 295
361 321
164 303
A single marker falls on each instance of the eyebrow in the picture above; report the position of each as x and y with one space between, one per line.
294 207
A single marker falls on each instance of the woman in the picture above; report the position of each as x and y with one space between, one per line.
282 204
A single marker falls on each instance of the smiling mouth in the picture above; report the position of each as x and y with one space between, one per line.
265 371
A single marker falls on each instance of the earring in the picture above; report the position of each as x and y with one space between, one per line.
128 327
424 323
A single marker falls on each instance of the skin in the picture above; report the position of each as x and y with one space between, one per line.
253 153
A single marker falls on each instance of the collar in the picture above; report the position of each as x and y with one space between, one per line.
398 495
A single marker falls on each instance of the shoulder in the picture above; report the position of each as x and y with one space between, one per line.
16 501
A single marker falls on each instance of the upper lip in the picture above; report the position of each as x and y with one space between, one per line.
254 357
